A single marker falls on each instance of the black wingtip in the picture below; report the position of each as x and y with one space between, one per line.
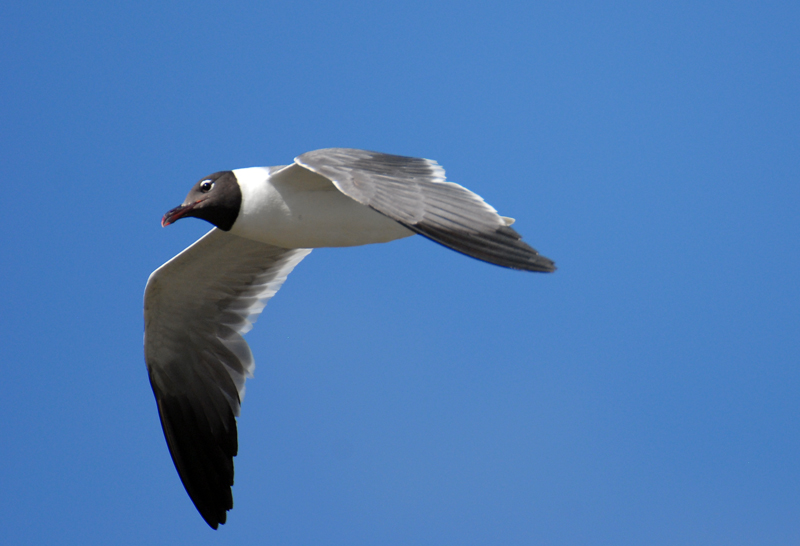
541 264
214 514
213 522
511 246
503 247
204 459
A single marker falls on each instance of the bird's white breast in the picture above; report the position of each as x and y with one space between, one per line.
296 208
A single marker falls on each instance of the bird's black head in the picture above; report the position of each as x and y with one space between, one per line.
215 199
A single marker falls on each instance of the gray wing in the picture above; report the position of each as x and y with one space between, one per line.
197 306
414 192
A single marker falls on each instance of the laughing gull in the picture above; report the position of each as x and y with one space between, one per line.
199 304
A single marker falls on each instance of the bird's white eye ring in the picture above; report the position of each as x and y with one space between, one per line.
206 185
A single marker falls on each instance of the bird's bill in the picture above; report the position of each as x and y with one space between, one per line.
177 213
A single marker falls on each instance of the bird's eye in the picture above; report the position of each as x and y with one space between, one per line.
206 185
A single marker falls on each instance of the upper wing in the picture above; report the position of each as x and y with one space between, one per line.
414 192
197 306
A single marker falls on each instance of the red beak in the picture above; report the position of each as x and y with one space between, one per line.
177 213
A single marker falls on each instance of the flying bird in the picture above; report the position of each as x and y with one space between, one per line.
199 304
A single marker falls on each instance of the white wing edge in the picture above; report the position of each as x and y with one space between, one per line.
266 285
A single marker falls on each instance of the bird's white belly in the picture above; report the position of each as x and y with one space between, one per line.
305 210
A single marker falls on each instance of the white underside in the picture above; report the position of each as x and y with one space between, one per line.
296 208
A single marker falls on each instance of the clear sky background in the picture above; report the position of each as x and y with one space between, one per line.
645 393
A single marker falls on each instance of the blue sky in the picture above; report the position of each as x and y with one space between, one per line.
645 393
